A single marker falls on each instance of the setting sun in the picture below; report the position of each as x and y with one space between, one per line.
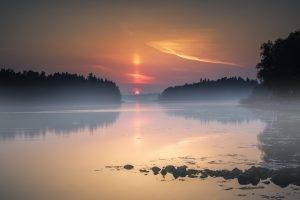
136 92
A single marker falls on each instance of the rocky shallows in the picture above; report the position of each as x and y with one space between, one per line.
254 175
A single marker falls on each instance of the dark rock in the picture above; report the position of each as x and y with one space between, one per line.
180 171
286 176
203 176
128 167
170 169
155 170
265 173
253 175
177 172
235 172
243 179
163 172
144 171
255 180
246 178
192 172
208 172
226 174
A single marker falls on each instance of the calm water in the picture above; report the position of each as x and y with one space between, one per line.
62 153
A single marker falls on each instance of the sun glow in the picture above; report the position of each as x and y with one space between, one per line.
136 59
136 92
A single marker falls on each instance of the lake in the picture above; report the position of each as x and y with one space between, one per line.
74 152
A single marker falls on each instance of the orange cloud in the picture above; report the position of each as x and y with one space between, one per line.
140 78
175 48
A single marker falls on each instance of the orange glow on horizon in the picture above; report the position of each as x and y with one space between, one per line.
140 78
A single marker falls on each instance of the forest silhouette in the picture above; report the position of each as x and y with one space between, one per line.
37 87
205 89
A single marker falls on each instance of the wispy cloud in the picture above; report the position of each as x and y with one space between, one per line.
174 48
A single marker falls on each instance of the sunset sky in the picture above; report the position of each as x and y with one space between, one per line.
147 45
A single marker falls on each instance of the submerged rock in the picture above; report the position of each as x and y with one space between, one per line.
128 167
155 170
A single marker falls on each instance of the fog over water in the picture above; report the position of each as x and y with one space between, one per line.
62 152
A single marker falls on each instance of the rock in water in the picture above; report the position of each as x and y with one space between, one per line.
235 172
203 176
155 170
192 173
181 170
284 177
163 172
170 169
128 167
253 175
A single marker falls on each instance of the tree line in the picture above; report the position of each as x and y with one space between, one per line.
30 86
223 88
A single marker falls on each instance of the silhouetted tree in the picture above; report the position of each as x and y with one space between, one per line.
279 68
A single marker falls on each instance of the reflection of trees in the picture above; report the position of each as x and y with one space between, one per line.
210 112
280 141
31 124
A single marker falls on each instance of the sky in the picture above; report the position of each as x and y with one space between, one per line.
143 45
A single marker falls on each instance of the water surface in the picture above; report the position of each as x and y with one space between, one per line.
62 152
